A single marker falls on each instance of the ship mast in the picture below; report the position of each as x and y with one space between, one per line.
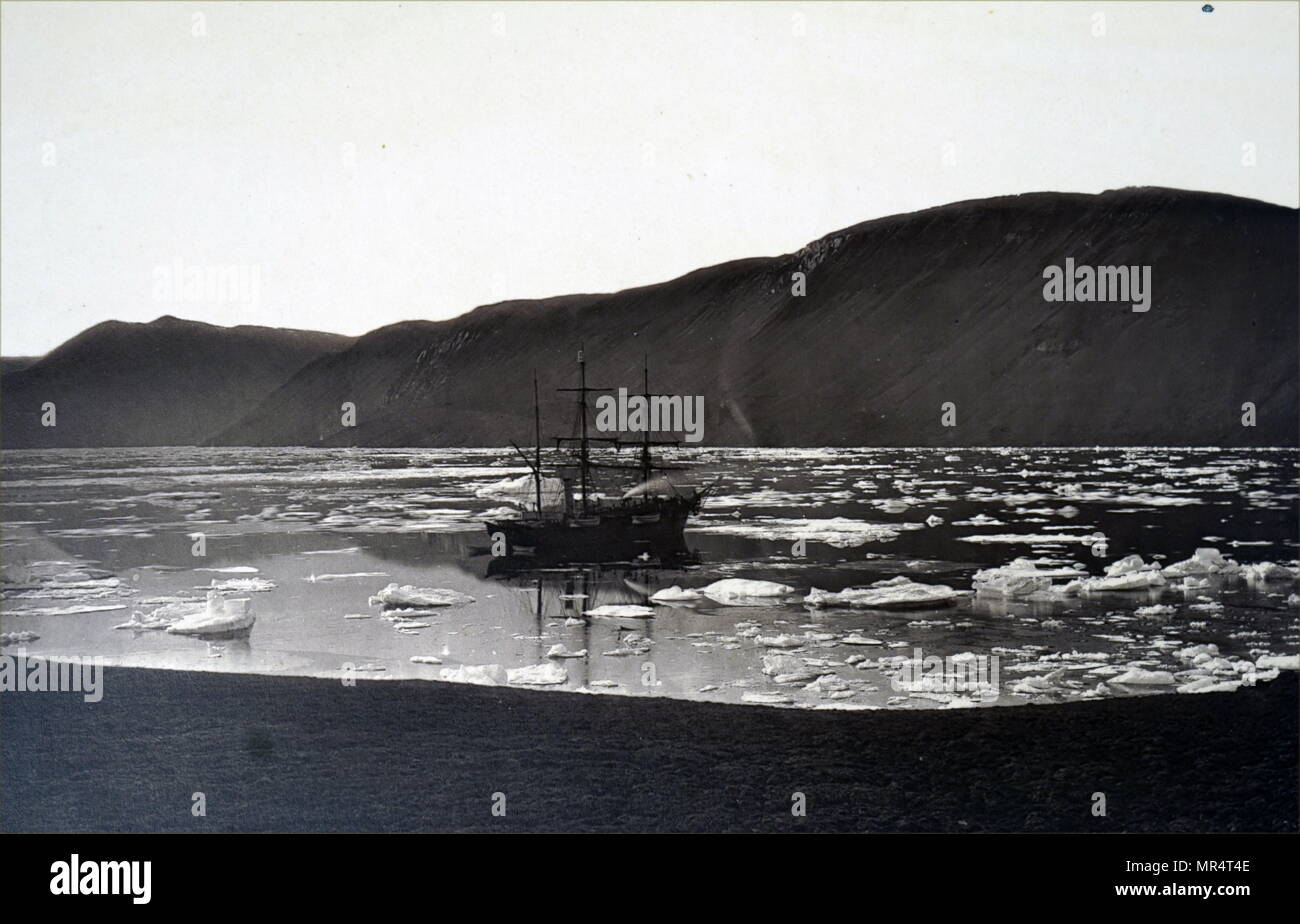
583 440
537 445
583 458
645 441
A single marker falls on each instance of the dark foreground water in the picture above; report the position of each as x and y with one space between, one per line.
94 538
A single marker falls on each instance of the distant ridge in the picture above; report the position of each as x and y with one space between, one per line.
167 382
902 315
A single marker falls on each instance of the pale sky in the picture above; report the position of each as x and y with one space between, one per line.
368 163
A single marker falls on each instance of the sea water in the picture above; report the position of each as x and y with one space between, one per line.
91 538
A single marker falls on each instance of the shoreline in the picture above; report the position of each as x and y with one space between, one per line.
278 753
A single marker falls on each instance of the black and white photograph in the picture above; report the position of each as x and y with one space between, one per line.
649 417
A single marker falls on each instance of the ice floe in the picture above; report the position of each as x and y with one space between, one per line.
1203 561
1021 578
1278 662
674 594
785 669
897 593
242 585
1265 571
743 592
17 638
1029 538
73 610
538 674
314 578
621 610
141 622
853 638
1151 611
1136 676
407 596
1210 685
487 675
839 532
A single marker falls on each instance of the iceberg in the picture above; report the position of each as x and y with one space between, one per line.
1204 561
1018 579
221 617
1278 662
784 668
775 663
408 597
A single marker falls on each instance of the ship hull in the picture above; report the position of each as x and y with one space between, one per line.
609 534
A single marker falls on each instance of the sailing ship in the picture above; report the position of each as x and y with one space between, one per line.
574 521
